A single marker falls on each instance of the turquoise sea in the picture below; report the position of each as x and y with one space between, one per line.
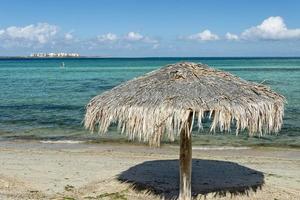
40 100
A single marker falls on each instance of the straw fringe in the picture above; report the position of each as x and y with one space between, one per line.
158 105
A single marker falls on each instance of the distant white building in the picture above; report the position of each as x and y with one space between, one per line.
54 55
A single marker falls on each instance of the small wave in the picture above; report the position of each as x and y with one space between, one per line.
61 141
219 148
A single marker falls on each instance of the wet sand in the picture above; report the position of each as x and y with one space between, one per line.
34 170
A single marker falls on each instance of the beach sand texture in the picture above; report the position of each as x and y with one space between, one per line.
34 170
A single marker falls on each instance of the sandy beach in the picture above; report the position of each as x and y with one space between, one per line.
35 170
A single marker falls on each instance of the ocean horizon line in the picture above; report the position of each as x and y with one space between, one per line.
151 57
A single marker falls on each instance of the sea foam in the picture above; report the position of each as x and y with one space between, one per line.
61 141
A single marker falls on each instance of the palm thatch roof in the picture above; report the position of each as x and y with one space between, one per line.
158 104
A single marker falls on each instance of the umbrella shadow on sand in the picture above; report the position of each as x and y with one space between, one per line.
208 176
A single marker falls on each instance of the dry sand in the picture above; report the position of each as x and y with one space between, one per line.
34 170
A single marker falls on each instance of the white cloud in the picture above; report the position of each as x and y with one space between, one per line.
206 35
44 36
131 40
156 46
36 36
272 28
150 40
107 37
130 37
139 38
40 33
134 36
230 36
69 36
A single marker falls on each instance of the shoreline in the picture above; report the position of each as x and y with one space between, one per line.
107 139
30 169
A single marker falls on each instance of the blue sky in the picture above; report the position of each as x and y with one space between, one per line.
135 28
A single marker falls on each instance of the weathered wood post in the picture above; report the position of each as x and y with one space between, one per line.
185 190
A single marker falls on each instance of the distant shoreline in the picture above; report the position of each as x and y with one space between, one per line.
150 57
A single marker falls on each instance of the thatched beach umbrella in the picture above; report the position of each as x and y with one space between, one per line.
166 102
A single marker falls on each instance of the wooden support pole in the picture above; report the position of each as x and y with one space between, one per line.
185 192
